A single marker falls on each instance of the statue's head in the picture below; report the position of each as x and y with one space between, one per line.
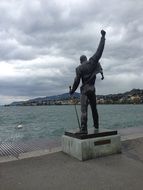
83 58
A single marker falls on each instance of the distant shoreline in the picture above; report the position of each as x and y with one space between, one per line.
135 96
70 104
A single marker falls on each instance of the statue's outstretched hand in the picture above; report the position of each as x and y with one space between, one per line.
102 78
103 33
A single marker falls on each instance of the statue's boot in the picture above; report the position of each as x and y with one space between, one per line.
83 130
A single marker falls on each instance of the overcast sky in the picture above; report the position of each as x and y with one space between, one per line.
41 42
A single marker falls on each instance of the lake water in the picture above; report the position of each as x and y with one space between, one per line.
51 121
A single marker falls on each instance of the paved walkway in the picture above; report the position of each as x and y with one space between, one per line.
58 171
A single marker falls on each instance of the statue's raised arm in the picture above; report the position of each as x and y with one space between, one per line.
95 58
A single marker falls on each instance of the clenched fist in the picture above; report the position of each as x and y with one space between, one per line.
103 33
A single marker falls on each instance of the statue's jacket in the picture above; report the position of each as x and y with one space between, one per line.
88 69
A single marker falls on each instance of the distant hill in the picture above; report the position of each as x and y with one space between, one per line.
64 96
61 97
133 96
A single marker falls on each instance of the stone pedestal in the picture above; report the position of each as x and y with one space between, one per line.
94 144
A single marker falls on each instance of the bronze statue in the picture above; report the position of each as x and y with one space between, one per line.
87 73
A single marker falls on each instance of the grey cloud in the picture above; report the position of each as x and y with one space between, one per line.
32 86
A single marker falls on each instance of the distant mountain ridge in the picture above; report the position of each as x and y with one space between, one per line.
135 95
60 97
